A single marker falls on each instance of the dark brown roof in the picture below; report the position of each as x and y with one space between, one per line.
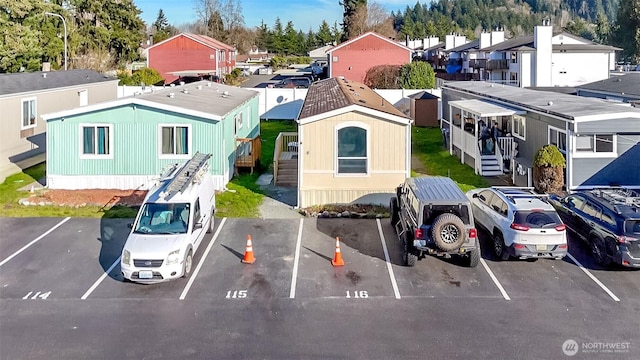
335 93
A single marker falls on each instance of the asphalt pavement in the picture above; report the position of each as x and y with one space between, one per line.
62 297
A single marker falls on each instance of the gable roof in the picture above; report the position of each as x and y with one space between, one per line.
201 99
370 33
202 39
467 46
569 107
627 84
16 83
335 96
423 95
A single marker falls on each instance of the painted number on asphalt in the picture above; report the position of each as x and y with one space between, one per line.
236 294
357 294
39 295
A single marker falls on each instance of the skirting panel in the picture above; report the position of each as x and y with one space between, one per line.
366 196
120 182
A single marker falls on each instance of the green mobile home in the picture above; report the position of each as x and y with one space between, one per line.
126 143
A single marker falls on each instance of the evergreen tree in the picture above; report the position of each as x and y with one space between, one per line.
324 35
626 31
350 11
161 22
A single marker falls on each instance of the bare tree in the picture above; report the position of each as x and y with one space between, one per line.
205 10
372 17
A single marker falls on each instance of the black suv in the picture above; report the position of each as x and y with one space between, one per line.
431 215
608 220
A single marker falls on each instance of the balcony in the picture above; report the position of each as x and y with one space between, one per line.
478 63
497 64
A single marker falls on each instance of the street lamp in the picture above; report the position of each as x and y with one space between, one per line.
64 23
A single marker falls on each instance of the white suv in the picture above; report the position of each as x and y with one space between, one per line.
521 222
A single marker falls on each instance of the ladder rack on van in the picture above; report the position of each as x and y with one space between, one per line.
190 172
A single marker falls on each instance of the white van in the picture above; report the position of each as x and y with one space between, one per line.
171 224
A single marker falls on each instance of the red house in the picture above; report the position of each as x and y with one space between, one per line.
353 58
191 55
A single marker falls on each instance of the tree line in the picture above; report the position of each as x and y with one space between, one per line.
106 34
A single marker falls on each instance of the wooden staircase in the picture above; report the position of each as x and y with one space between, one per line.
287 173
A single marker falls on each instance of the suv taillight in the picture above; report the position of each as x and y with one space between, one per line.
418 234
626 240
520 227
561 227
473 233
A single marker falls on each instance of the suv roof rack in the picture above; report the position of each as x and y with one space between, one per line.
618 196
526 192
192 171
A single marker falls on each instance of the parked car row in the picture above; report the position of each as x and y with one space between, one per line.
431 217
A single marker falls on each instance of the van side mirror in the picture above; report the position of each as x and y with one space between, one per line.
130 225
197 225
475 195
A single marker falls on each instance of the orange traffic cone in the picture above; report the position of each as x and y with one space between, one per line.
337 257
248 253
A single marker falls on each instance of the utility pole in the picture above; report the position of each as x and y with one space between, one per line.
64 23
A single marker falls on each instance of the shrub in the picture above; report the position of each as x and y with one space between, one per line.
417 75
548 174
382 77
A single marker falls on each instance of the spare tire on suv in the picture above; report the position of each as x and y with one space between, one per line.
432 216
449 232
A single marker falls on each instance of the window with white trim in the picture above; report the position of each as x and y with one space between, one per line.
595 143
558 138
96 140
239 122
520 127
352 150
28 113
175 140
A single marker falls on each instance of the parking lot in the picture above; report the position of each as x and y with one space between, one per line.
61 284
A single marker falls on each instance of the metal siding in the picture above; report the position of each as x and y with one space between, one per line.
622 170
387 154
537 134
135 147
365 53
181 53
609 126
48 101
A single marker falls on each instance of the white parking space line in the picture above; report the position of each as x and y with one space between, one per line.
296 259
386 258
95 285
192 278
495 280
589 274
34 241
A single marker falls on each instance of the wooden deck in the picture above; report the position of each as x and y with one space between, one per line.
288 155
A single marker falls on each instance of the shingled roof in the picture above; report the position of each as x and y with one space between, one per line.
337 93
24 82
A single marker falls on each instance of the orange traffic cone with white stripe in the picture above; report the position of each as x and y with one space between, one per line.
337 257
248 253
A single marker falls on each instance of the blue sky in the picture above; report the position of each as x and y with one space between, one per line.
305 14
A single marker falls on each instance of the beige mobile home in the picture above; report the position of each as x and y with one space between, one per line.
351 143
26 96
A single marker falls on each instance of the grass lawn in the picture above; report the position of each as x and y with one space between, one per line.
245 196
427 146
9 196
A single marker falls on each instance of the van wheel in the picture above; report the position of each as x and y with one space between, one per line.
448 232
212 223
188 262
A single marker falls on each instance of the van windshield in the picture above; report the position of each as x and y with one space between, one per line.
163 219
